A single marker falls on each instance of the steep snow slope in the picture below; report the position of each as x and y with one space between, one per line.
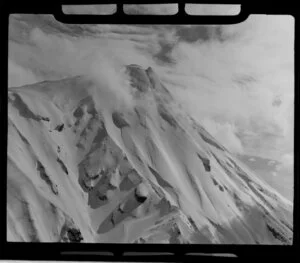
81 172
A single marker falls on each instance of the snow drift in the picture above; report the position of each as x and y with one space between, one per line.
85 167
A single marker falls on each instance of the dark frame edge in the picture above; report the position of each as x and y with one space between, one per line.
25 251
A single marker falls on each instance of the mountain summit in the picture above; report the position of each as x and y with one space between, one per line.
149 173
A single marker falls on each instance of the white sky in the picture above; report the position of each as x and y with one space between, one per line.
238 80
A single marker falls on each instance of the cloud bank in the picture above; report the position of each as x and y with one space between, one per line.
224 133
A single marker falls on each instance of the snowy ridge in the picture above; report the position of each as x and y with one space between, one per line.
146 173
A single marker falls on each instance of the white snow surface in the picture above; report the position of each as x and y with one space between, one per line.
148 173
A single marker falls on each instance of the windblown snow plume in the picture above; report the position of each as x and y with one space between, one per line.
108 157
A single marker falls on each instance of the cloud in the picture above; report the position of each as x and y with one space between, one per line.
64 55
54 50
287 161
224 133
285 164
271 163
112 89
236 78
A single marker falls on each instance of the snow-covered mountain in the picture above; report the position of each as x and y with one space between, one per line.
81 169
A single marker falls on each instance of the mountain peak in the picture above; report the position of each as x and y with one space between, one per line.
139 78
148 170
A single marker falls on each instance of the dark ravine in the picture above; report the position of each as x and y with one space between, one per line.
45 177
167 116
205 161
59 127
119 120
24 110
62 165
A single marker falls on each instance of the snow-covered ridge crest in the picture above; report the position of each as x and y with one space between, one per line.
109 158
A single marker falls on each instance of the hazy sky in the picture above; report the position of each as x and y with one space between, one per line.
238 80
